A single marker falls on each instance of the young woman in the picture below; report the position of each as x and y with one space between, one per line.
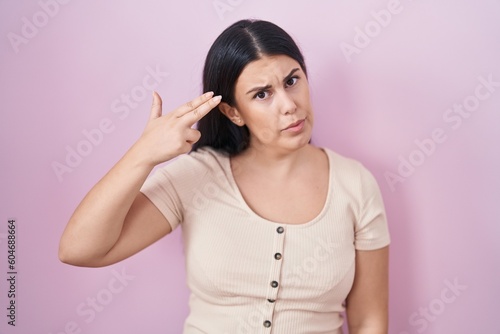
280 236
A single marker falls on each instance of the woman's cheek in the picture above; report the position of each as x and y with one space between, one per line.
267 134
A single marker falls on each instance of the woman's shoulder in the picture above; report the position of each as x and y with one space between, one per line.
191 170
207 158
201 161
207 153
341 161
347 169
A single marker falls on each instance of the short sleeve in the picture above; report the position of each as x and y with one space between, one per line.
174 188
371 229
162 192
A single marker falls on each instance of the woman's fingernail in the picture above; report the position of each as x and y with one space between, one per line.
217 98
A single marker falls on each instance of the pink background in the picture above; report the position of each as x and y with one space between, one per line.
69 75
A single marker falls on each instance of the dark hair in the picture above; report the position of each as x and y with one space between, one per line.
241 43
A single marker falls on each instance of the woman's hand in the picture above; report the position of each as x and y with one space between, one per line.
168 136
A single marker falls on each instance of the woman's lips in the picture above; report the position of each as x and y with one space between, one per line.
295 127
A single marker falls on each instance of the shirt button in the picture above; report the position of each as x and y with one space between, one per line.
274 284
280 230
271 300
277 256
267 324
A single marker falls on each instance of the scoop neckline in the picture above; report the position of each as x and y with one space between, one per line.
260 219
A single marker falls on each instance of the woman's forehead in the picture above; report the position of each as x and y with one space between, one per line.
267 69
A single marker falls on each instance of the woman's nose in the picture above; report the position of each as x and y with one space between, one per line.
287 104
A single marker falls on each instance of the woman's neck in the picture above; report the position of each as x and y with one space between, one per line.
272 162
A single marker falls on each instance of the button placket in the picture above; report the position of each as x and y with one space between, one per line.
276 258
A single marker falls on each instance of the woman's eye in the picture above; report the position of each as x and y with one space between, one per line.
261 95
291 81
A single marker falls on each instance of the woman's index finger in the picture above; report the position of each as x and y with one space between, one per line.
193 104
199 112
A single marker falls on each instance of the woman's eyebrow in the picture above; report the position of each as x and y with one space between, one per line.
255 89
289 76
266 87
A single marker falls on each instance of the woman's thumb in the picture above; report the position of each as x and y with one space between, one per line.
156 107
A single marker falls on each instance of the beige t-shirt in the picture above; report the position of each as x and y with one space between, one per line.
251 275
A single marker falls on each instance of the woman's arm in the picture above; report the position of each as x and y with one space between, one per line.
367 303
115 220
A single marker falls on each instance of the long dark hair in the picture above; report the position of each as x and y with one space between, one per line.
241 43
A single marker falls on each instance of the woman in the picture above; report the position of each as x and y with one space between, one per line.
280 236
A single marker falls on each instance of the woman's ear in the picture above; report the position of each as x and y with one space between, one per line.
231 113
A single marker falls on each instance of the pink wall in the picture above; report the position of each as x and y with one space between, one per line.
387 90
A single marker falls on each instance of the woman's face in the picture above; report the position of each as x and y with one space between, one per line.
272 100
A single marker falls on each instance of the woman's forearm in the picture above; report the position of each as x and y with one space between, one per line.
96 224
382 329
